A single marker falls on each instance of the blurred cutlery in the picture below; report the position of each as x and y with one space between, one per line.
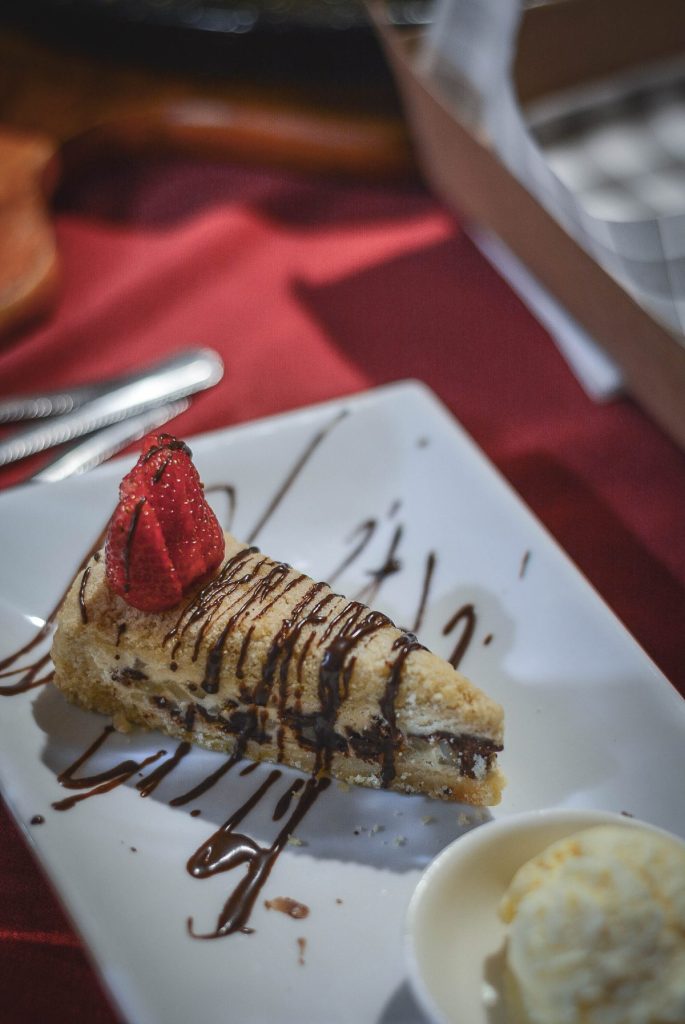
186 373
103 444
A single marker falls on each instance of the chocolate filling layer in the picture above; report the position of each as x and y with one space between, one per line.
471 755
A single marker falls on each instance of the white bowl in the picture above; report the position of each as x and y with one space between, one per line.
454 939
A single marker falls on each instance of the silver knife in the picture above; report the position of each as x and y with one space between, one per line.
90 451
56 403
190 371
51 403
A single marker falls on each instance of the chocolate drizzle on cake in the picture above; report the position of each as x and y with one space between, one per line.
205 605
280 652
258 590
250 584
320 623
344 632
390 736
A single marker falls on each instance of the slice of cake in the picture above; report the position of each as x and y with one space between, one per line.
258 659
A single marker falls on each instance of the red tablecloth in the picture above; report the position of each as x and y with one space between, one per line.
312 289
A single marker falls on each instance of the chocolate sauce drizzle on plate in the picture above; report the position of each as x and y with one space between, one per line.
365 532
29 674
101 782
525 559
466 618
207 783
286 905
425 590
241 584
149 784
227 849
389 567
292 476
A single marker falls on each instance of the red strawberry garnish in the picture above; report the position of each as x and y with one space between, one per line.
163 536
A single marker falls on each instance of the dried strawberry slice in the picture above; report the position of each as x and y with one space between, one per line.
163 537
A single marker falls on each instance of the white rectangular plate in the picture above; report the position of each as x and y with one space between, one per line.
590 722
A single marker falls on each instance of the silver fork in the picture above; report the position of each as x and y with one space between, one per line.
96 448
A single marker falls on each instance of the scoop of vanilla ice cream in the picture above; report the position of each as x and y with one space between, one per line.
597 930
